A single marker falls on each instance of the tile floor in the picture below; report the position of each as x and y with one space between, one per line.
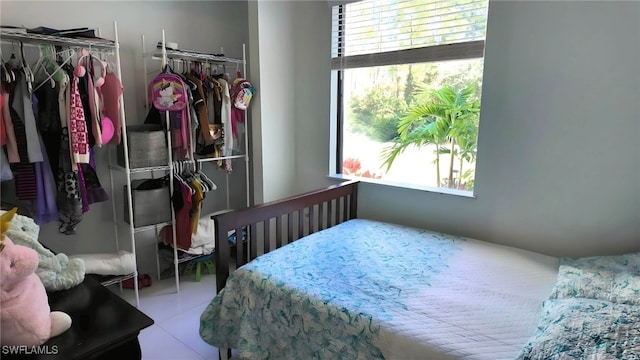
175 334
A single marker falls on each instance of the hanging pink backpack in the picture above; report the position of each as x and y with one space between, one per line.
241 93
167 92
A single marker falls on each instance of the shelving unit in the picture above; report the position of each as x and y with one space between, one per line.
105 47
164 55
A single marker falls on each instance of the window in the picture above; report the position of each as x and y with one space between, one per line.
407 78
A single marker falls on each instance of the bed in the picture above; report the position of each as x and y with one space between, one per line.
348 288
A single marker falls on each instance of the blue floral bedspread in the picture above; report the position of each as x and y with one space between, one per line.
579 328
327 295
592 312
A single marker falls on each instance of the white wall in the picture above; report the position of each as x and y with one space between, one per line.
313 58
558 167
273 114
195 25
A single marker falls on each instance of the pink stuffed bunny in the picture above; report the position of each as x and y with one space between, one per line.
25 316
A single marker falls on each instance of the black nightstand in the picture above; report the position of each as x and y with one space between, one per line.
104 326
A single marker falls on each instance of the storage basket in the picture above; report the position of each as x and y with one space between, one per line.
150 206
147 146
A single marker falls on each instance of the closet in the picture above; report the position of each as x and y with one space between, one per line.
163 100
91 51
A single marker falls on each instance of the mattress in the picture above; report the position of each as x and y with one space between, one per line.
373 290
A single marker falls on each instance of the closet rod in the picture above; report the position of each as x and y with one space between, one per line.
187 55
222 158
8 36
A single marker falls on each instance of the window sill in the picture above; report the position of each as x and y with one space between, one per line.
444 191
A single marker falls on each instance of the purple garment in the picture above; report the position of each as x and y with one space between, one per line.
34 107
44 209
95 192
5 169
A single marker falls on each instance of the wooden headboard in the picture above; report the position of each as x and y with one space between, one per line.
259 229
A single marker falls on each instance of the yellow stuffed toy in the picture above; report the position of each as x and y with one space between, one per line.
25 316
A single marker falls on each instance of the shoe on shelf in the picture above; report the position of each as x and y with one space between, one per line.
144 280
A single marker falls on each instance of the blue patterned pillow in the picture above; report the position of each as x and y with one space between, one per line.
612 278
585 329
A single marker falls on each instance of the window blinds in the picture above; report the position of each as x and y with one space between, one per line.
384 32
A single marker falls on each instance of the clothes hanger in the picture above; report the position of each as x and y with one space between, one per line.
80 70
38 64
185 69
13 60
88 59
27 70
57 69
7 74
177 170
201 73
103 73
42 64
190 178
49 63
206 179
198 177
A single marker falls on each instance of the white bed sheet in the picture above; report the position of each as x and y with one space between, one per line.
485 306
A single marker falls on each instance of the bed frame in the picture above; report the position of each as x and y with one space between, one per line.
263 224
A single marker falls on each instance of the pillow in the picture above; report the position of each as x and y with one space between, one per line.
612 278
585 329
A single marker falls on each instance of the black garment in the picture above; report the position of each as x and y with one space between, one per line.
48 121
24 171
216 96
83 86
68 197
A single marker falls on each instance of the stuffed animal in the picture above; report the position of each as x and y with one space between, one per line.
56 271
25 316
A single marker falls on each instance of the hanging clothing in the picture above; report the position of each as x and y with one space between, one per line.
200 105
111 93
48 120
48 135
24 171
78 133
63 100
5 168
44 208
93 109
196 201
68 190
90 189
93 190
215 99
225 116
183 220
84 88
10 142
23 108
3 130
67 183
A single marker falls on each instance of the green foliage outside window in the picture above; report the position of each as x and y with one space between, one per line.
422 105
